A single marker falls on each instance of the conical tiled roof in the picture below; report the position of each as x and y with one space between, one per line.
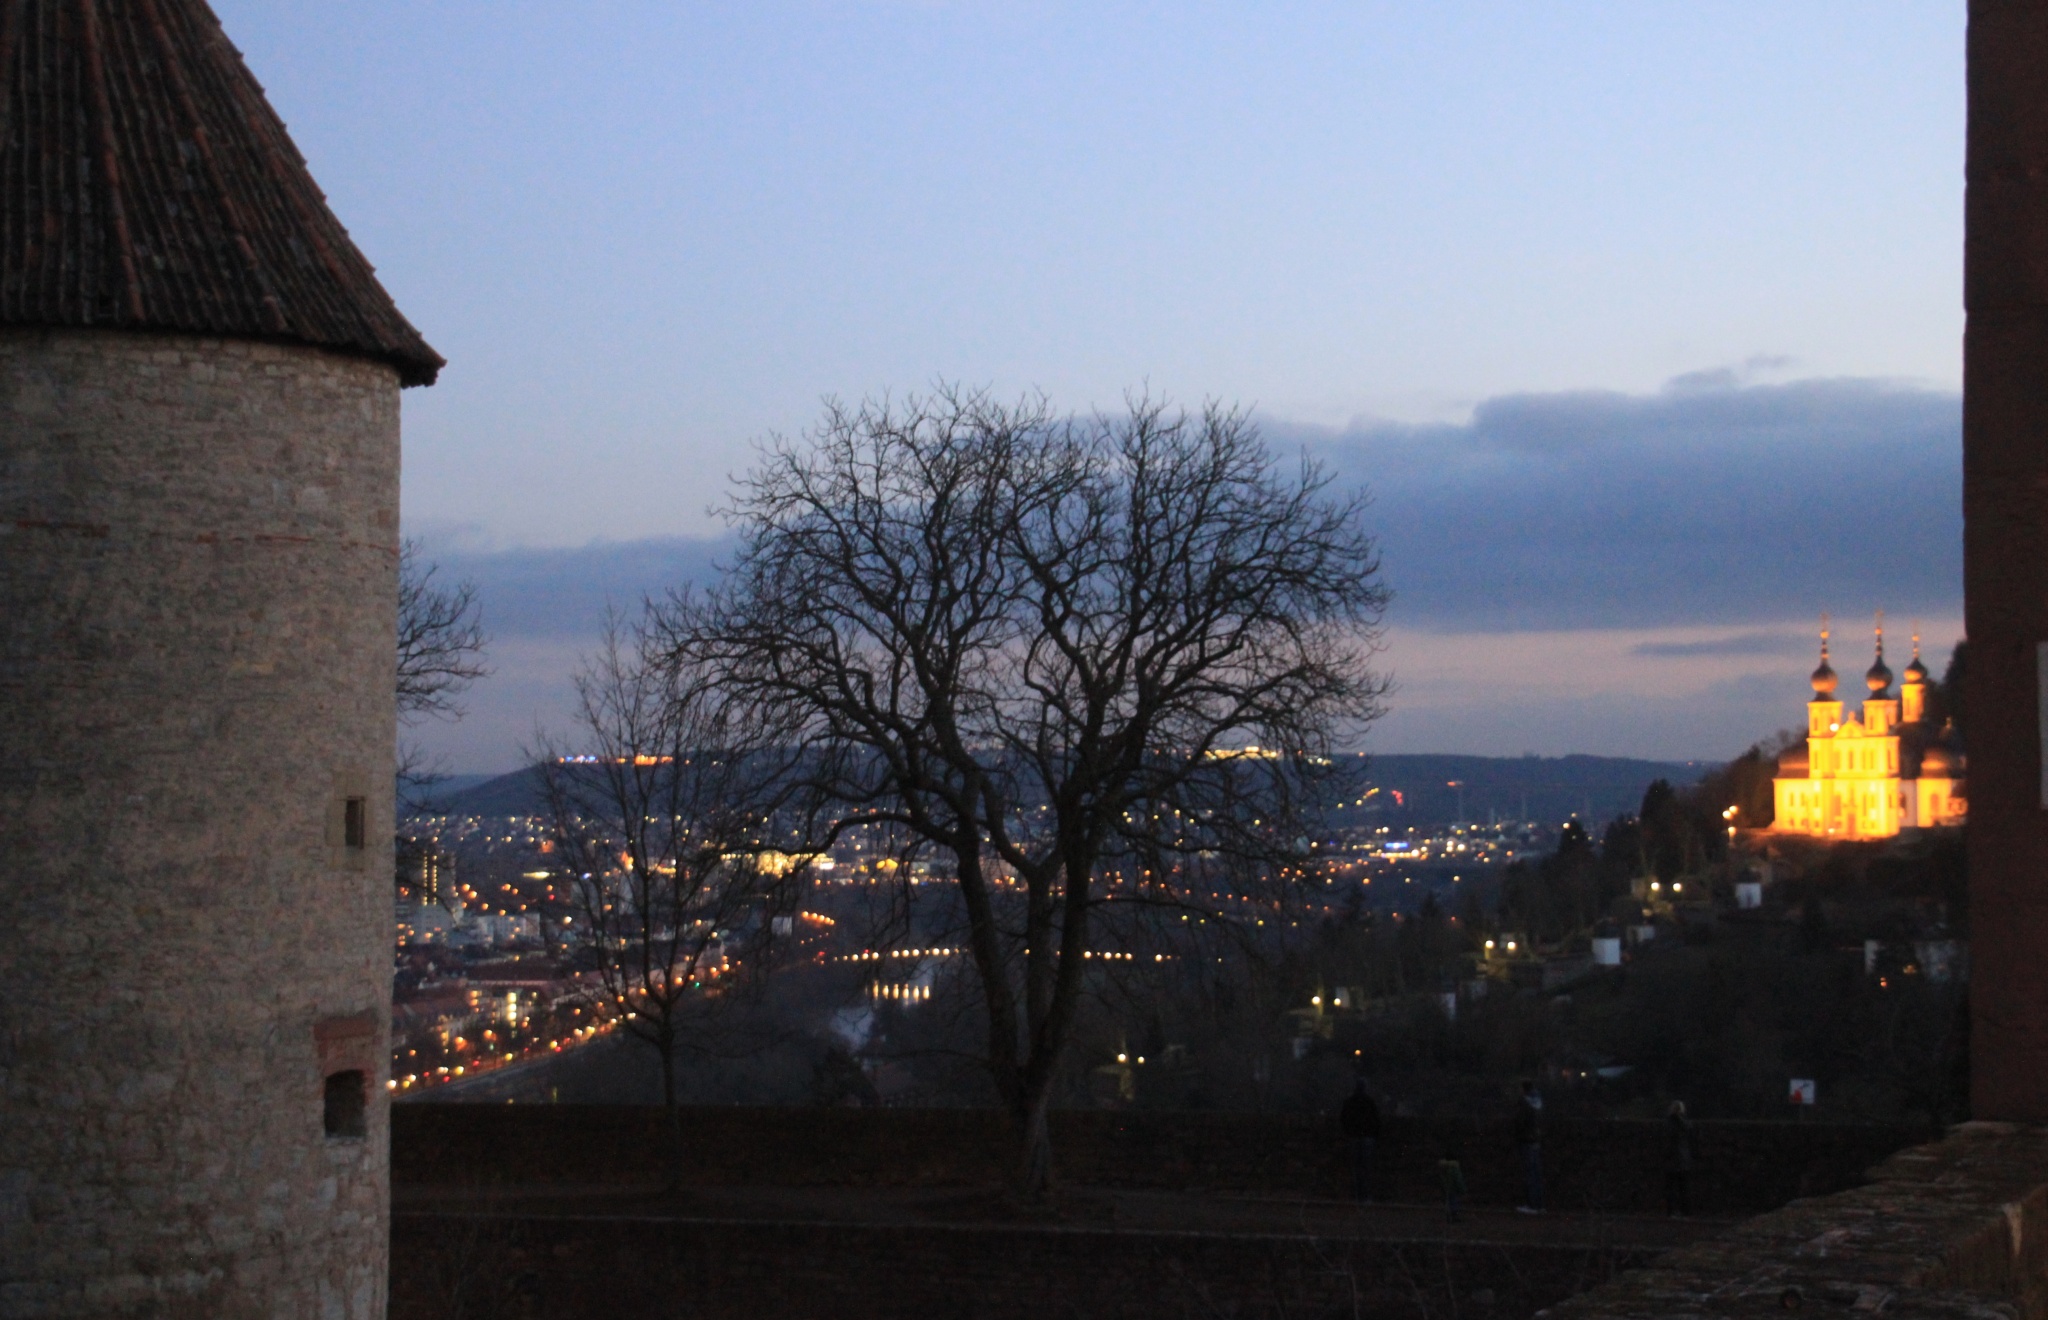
146 184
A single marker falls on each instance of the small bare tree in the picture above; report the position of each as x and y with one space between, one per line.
1047 647
441 643
663 815
441 639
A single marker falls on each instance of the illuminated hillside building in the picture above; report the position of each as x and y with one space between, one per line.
1874 773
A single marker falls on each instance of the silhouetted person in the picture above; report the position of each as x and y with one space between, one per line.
1678 1160
1529 1144
1360 1120
1450 1170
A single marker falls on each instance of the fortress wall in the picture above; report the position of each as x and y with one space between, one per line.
2005 553
598 1267
198 580
1610 1165
1957 1230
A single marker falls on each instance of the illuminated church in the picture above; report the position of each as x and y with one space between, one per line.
1871 774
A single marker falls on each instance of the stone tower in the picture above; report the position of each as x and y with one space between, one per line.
199 455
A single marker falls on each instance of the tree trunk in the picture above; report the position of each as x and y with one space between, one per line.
1031 1171
675 1114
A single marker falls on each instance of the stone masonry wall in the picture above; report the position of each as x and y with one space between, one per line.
1612 1166
198 580
1956 1229
570 1267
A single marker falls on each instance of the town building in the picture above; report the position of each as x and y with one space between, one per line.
1871 773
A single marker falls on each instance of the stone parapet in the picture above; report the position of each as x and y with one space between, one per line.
1592 1165
654 1266
1952 1229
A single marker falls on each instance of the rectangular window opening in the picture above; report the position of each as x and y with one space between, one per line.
347 1103
355 822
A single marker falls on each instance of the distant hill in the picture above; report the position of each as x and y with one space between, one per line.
1550 789
516 794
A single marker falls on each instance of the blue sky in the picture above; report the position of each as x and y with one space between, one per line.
1642 319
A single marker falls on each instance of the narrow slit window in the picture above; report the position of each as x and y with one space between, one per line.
347 1101
355 822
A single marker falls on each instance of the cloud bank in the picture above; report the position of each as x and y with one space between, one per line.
1666 554
1709 502
557 594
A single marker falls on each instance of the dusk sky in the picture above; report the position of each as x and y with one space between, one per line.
1642 321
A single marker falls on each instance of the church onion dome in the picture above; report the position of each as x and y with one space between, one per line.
1878 678
1824 680
1792 762
147 185
1916 672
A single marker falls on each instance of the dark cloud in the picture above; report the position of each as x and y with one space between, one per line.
1709 502
563 593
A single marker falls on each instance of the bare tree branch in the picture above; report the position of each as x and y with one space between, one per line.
441 640
1047 646
664 815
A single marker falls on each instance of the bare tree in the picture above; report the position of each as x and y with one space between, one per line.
663 815
441 643
441 639
1080 657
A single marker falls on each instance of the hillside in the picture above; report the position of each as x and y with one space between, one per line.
1550 789
1543 788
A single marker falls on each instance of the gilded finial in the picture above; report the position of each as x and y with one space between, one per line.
1823 677
1878 677
1916 672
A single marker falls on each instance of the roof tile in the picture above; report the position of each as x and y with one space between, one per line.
146 184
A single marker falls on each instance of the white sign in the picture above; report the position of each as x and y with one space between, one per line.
1803 1091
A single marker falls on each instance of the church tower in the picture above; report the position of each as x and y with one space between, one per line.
1871 774
1913 688
1823 712
199 457
1880 707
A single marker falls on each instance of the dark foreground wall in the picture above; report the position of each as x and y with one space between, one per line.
1605 1165
447 1268
2005 573
1957 1230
